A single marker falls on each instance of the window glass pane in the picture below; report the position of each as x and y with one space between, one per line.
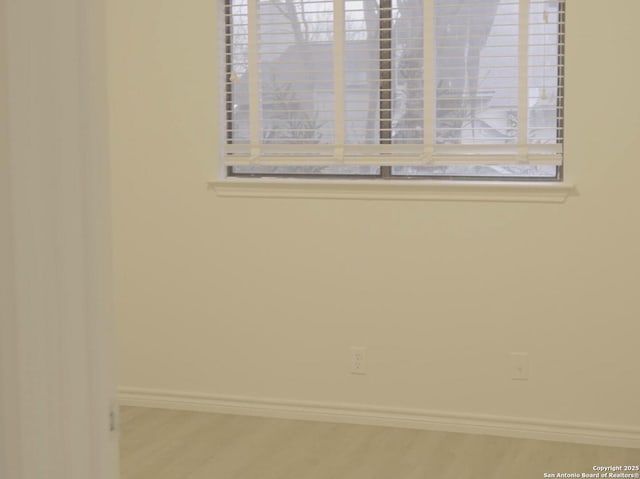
296 72
306 170
361 72
237 66
408 72
476 71
545 73
507 171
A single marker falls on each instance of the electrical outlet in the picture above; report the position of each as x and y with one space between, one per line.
520 366
358 360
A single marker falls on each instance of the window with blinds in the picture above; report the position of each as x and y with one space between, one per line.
394 88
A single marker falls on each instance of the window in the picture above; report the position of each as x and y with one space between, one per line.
461 89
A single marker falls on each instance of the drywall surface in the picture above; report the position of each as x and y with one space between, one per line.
264 297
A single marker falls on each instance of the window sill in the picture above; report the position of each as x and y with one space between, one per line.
409 190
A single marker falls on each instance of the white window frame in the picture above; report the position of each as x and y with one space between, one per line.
427 188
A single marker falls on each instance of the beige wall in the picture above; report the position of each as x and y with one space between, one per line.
264 297
8 402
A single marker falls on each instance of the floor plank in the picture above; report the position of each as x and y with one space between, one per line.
164 444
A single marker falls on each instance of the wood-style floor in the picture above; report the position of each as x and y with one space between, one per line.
163 444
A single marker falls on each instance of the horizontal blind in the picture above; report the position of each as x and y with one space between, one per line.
394 82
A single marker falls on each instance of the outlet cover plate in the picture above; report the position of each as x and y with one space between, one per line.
358 360
520 366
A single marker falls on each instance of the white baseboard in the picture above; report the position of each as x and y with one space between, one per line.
523 428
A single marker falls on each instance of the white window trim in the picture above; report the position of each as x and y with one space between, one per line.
489 190
420 190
